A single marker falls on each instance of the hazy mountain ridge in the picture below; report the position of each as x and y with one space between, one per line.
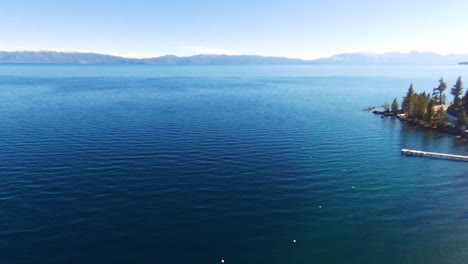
60 57
54 57
411 58
206 59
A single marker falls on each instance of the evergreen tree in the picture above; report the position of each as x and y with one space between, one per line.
462 121
395 106
441 117
419 108
415 104
465 100
421 105
408 101
438 92
429 116
457 91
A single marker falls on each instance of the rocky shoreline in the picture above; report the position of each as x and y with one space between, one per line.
447 129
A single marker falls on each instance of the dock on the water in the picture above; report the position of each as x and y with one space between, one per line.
411 152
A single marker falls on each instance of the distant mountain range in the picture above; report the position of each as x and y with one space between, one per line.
395 58
392 58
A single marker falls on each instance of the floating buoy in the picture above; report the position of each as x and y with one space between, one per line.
320 206
294 240
222 261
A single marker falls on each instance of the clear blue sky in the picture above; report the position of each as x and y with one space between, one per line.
300 29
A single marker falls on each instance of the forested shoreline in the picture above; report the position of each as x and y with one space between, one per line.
432 111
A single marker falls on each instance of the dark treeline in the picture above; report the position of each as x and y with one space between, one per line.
431 110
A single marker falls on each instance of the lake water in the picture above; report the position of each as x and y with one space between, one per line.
195 164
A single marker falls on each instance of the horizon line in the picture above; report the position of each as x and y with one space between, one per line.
70 51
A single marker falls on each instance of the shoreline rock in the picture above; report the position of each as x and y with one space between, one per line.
448 129
370 108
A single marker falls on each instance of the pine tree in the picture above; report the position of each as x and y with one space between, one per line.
465 100
395 106
441 117
462 121
429 116
408 102
438 93
421 106
457 91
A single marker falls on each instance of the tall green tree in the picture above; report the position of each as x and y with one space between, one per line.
395 106
438 92
408 101
415 104
429 116
441 117
462 121
422 100
465 100
457 91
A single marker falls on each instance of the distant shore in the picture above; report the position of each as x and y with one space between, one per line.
357 58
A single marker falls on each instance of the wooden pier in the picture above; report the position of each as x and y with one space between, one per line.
419 153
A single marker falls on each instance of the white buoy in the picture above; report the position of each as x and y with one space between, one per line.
294 240
222 261
352 187
320 206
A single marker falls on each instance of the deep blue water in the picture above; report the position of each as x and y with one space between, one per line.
149 164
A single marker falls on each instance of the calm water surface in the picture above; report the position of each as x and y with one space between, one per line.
151 164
